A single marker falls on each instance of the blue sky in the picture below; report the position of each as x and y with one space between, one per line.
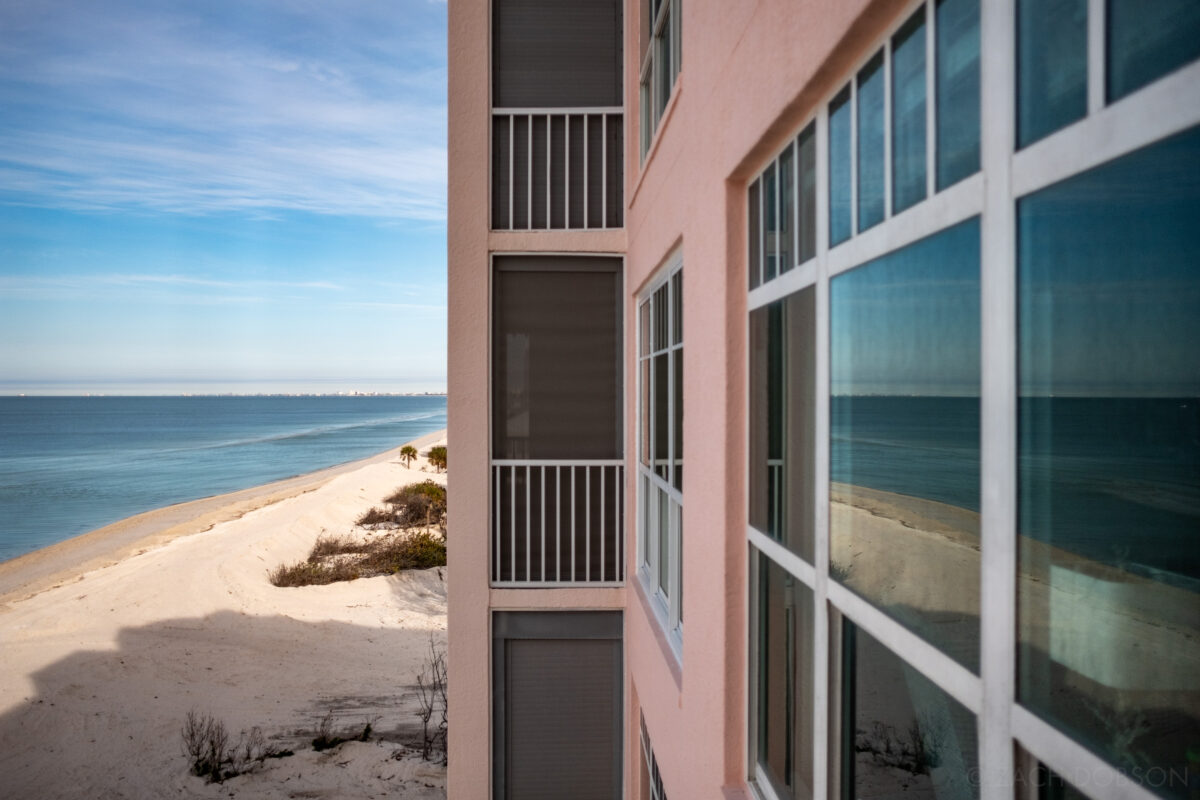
222 196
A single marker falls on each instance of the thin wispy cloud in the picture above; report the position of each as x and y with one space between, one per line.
260 107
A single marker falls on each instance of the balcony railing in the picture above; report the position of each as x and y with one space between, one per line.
557 168
558 523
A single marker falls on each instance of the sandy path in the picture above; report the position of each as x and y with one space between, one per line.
99 669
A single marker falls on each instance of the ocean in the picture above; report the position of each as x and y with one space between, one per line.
69 465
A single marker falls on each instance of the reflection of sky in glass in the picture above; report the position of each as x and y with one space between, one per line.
908 323
908 113
870 143
839 168
1110 278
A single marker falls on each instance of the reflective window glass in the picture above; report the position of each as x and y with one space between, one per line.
1109 459
785 680
1051 66
908 113
902 735
754 224
782 420
770 224
904 428
787 210
870 143
806 147
839 168
957 82
1146 40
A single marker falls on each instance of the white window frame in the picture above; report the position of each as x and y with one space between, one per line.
665 25
1166 106
667 605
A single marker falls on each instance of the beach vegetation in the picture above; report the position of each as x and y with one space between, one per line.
437 457
333 559
375 516
421 503
206 743
327 738
408 454
431 694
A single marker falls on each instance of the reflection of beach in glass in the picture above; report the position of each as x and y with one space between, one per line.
1109 461
903 734
904 436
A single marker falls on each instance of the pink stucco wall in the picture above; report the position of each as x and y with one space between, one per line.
751 73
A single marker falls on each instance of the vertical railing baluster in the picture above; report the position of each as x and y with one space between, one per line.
512 499
544 513
528 524
512 157
586 155
603 181
587 523
567 171
496 529
549 155
572 468
557 523
529 179
603 531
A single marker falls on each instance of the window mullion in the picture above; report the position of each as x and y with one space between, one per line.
1096 55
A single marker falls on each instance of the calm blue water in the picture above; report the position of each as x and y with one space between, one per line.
1113 479
69 465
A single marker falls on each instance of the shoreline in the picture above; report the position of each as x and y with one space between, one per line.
50 566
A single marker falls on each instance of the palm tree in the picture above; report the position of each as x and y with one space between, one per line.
437 457
407 454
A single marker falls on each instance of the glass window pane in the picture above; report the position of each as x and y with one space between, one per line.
662 419
658 318
664 540
904 427
787 210
1051 66
645 411
645 113
771 223
677 357
648 516
1109 458
663 66
782 419
677 308
957 82
902 735
870 143
784 709
908 113
806 145
644 327
754 223
1148 40
839 168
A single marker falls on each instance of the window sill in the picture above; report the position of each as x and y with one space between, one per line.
668 112
671 644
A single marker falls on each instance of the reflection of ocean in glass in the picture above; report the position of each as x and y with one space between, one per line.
904 436
1109 461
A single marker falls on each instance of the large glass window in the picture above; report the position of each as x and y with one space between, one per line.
904 430
783 420
1148 40
784 708
908 113
1051 66
870 143
901 734
957 77
1109 547
661 466
661 42
839 167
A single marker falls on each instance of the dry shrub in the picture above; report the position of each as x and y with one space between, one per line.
344 560
418 504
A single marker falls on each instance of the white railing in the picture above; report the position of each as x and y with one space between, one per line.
558 523
543 160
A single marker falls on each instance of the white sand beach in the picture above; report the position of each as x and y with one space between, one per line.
108 641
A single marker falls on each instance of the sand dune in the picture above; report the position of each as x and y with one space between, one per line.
101 661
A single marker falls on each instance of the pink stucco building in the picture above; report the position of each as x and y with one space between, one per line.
911 290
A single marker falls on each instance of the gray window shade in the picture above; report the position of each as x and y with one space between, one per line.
556 53
556 357
559 731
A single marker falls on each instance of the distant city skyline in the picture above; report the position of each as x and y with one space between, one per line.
229 197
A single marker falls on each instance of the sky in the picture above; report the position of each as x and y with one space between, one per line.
227 196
